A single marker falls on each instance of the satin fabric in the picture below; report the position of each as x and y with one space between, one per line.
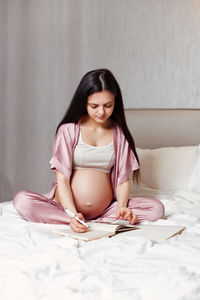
35 207
38 208
63 150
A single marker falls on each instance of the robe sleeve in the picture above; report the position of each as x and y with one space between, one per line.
127 161
63 151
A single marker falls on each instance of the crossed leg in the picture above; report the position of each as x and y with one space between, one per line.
35 207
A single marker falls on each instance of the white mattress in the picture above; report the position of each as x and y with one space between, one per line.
35 263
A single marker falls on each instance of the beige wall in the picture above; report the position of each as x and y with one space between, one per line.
163 128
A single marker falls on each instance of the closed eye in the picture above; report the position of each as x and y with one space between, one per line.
95 106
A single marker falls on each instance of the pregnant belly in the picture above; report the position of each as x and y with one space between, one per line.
92 191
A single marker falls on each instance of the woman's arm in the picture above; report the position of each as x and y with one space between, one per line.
65 197
63 192
122 195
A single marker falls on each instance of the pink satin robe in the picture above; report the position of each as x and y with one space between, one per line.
38 208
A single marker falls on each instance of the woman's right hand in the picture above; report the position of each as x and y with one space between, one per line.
76 226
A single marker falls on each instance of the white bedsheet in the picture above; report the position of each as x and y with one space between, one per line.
35 263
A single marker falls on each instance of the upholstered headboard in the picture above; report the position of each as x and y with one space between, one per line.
154 128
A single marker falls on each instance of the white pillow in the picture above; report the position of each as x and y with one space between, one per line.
194 180
167 168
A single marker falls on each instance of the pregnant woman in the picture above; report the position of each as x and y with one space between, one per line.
93 156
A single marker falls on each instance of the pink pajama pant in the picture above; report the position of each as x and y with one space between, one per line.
37 208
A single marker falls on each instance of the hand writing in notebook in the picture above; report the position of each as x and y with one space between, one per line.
127 214
77 226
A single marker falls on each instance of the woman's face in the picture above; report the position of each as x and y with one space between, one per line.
100 106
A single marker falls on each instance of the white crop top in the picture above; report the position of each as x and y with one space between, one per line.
93 157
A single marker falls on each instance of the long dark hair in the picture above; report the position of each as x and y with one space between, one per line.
97 81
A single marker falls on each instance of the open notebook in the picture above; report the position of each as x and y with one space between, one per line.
159 233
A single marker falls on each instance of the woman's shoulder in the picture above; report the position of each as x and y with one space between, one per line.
67 128
117 130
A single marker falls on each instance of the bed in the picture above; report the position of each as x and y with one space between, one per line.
36 263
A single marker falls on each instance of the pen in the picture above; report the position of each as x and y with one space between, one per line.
71 214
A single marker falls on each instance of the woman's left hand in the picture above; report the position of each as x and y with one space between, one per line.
127 214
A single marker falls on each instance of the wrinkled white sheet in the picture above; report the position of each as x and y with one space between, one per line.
35 263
